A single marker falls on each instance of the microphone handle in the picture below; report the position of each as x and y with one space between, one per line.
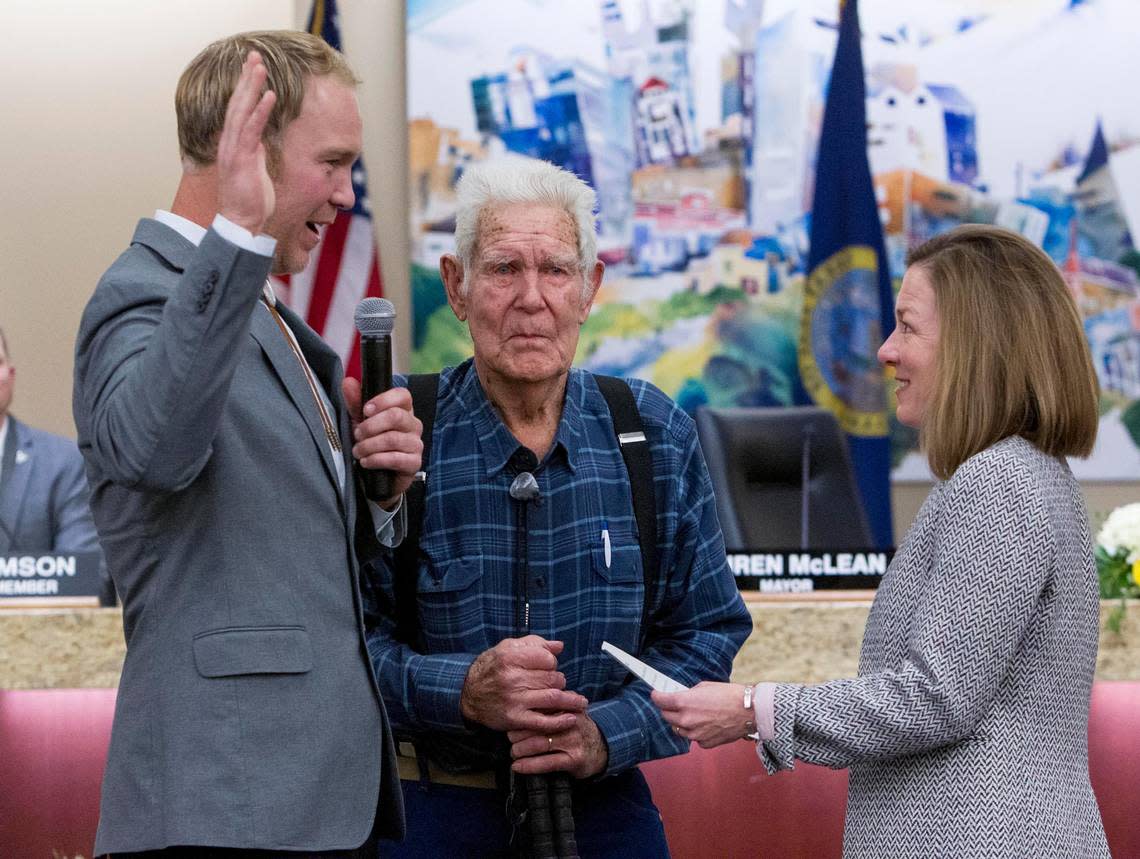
376 378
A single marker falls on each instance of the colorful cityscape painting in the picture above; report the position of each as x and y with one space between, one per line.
697 122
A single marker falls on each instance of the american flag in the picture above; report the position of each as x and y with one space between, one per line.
344 268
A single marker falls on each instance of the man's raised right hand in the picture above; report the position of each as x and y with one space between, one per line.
245 191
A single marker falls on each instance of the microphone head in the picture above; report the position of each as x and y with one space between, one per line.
375 317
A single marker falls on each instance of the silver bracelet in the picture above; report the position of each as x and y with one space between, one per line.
750 726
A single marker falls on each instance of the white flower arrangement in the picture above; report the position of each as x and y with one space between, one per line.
1117 556
1121 532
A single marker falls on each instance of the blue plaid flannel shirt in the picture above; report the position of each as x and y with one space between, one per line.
466 583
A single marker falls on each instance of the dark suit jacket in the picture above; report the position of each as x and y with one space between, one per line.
43 494
248 715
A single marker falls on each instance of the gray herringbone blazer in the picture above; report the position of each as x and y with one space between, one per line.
966 732
247 713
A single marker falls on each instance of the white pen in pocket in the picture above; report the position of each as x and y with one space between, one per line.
606 551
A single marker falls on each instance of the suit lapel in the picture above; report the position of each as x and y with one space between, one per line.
14 477
329 371
274 344
326 366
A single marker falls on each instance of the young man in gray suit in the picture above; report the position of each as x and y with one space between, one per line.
43 491
219 445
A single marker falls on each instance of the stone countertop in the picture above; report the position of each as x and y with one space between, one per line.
801 642
811 642
61 648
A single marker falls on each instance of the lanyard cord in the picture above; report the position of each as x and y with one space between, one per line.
326 420
548 816
524 489
522 604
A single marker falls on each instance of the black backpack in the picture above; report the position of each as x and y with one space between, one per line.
638 463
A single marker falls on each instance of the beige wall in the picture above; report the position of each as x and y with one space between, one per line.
89 146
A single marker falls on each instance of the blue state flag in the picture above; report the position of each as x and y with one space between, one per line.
848 299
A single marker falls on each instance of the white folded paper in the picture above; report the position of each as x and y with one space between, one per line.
657 680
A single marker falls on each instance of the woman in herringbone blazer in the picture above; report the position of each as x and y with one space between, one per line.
966 731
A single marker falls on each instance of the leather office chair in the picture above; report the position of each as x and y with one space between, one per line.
762 460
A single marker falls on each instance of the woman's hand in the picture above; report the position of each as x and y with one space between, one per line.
711 714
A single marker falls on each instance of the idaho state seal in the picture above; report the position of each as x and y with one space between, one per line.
839 337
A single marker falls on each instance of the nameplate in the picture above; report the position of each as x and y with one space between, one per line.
50 578
798 571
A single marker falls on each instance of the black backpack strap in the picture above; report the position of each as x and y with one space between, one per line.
424 388
630 432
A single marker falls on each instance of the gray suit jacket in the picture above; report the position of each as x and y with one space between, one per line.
247 713
967 729
43 494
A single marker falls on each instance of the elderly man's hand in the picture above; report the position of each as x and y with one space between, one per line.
386 435
581 751
516 686
245 191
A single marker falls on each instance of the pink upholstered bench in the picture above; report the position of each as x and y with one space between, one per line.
716 803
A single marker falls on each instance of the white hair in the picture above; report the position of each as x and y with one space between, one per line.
523 180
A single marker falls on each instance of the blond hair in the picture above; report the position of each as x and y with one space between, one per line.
1012 356
205 87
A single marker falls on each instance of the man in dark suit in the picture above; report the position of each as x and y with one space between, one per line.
219 445
43 490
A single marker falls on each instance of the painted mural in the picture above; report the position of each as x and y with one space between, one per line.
697 121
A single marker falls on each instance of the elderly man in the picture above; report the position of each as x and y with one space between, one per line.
219 449
487 643
43 490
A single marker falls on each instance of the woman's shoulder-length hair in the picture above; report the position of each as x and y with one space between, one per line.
1012 355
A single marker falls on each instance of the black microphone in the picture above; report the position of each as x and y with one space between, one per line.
375 318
